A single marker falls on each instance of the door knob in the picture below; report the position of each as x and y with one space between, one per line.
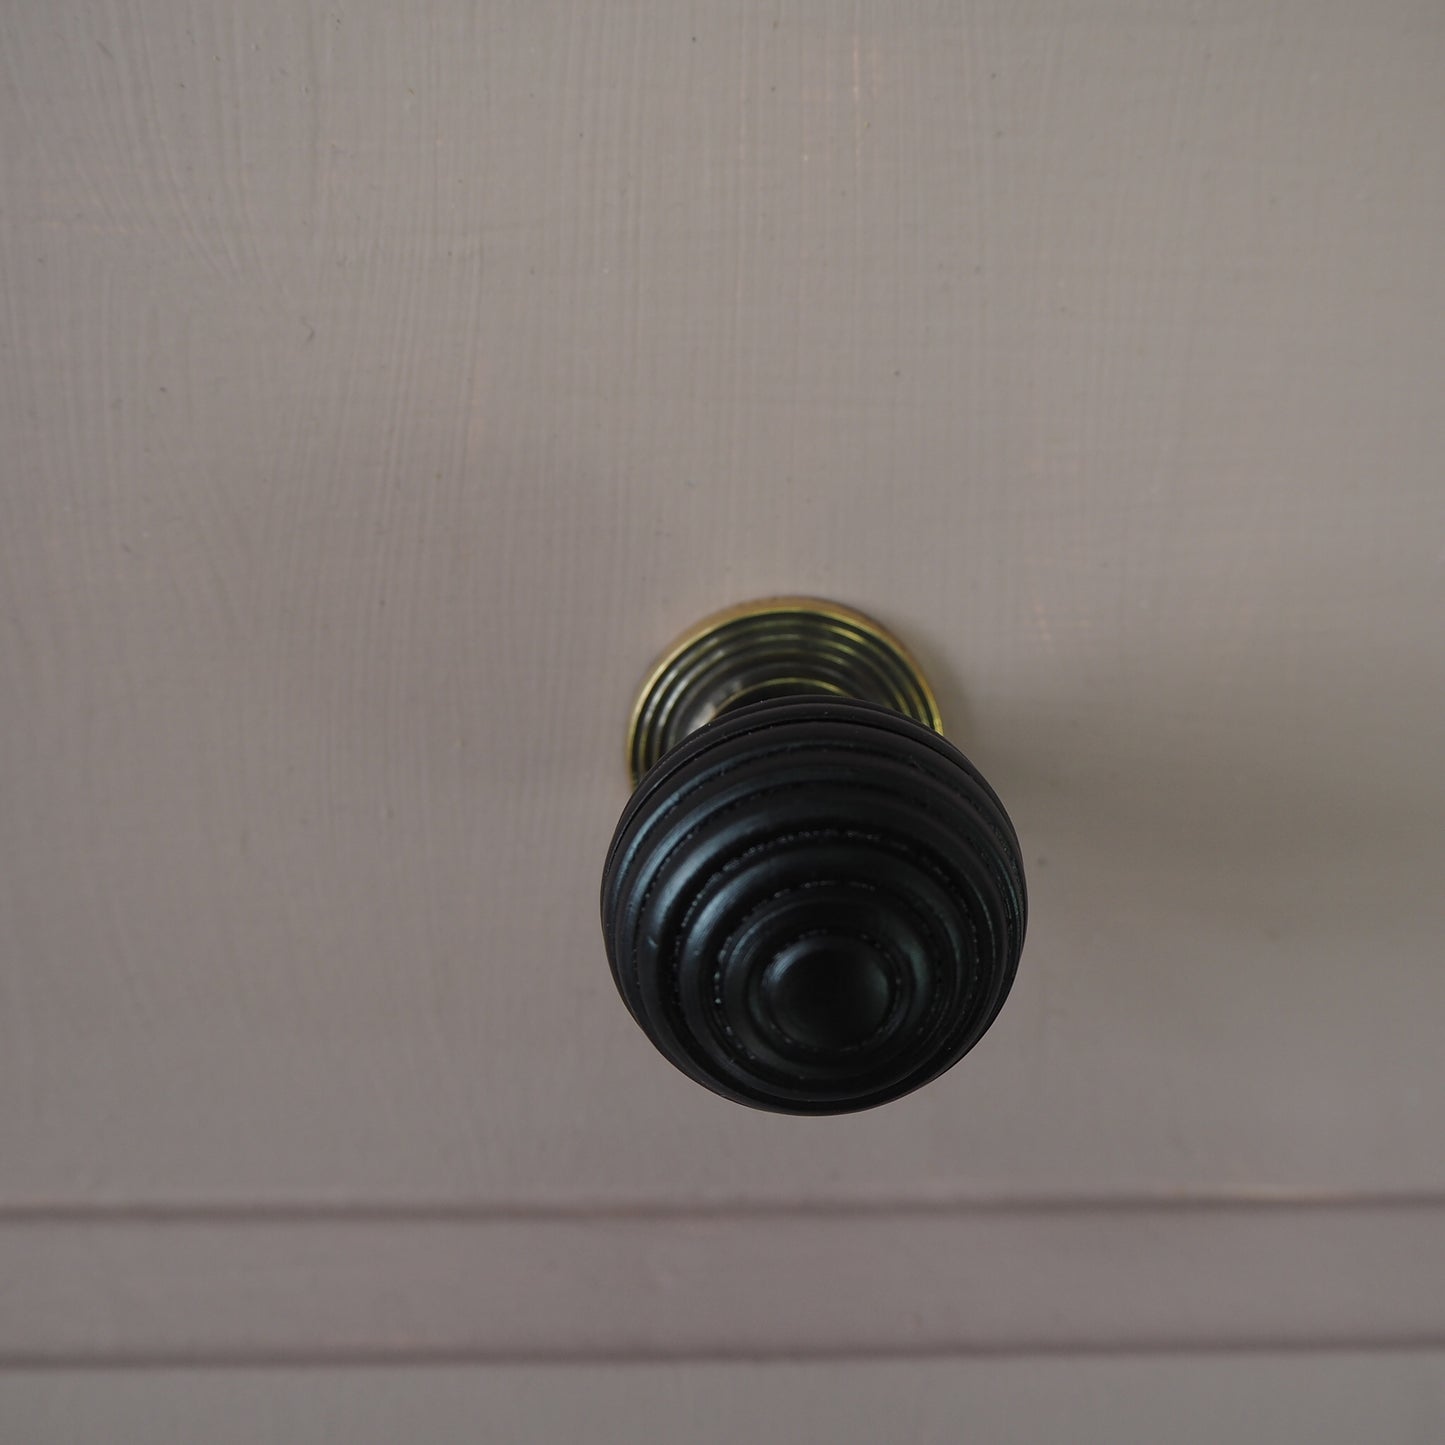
813 903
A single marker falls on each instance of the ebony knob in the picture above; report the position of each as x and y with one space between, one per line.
813 904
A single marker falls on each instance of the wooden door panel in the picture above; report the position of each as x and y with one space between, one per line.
382 388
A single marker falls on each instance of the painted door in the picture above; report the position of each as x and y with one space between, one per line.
384 384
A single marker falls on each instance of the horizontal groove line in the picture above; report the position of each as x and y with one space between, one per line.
643 1356
263 1212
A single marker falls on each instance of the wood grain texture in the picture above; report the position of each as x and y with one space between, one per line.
383 385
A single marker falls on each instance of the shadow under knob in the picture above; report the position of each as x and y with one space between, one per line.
814 906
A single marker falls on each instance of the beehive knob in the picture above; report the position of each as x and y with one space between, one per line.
814 904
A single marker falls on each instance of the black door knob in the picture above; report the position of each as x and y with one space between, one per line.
813 903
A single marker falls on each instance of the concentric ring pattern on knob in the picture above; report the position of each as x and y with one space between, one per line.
814 906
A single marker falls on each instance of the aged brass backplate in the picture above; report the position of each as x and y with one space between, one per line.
771 648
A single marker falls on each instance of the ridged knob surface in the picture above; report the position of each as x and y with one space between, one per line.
814 906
